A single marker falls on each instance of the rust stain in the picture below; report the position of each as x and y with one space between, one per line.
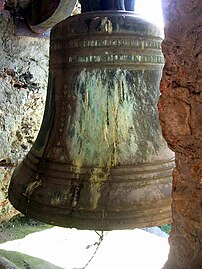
31 187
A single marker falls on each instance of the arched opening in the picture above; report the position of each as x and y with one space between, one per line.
180 109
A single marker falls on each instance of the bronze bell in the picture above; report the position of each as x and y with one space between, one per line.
99 161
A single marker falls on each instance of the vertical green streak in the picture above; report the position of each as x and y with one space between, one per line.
101 122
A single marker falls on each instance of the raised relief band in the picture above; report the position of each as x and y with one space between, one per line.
140 51
142 44
153 59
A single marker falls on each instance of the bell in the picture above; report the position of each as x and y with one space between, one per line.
99 161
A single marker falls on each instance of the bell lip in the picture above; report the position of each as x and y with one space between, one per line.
63 218
115 11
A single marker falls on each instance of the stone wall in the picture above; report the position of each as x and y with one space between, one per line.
180 108
23 81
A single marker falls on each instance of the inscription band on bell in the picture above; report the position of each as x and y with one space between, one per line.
153 59
152 44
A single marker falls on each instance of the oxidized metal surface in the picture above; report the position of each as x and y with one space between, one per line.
99 161
45 14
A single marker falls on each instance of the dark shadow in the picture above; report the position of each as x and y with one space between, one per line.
24 261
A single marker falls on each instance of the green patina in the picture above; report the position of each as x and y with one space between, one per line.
101 122
114 122
102 119
98 176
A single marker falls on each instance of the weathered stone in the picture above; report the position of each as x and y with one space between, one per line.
180 109
6 209
2 3
23 81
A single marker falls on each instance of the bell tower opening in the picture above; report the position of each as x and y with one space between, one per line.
151 16
150 10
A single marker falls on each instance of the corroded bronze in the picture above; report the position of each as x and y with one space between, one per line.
45 14
99 161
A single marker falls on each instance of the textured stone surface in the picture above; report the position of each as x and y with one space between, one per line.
6 209
23 80
2 3
180 108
